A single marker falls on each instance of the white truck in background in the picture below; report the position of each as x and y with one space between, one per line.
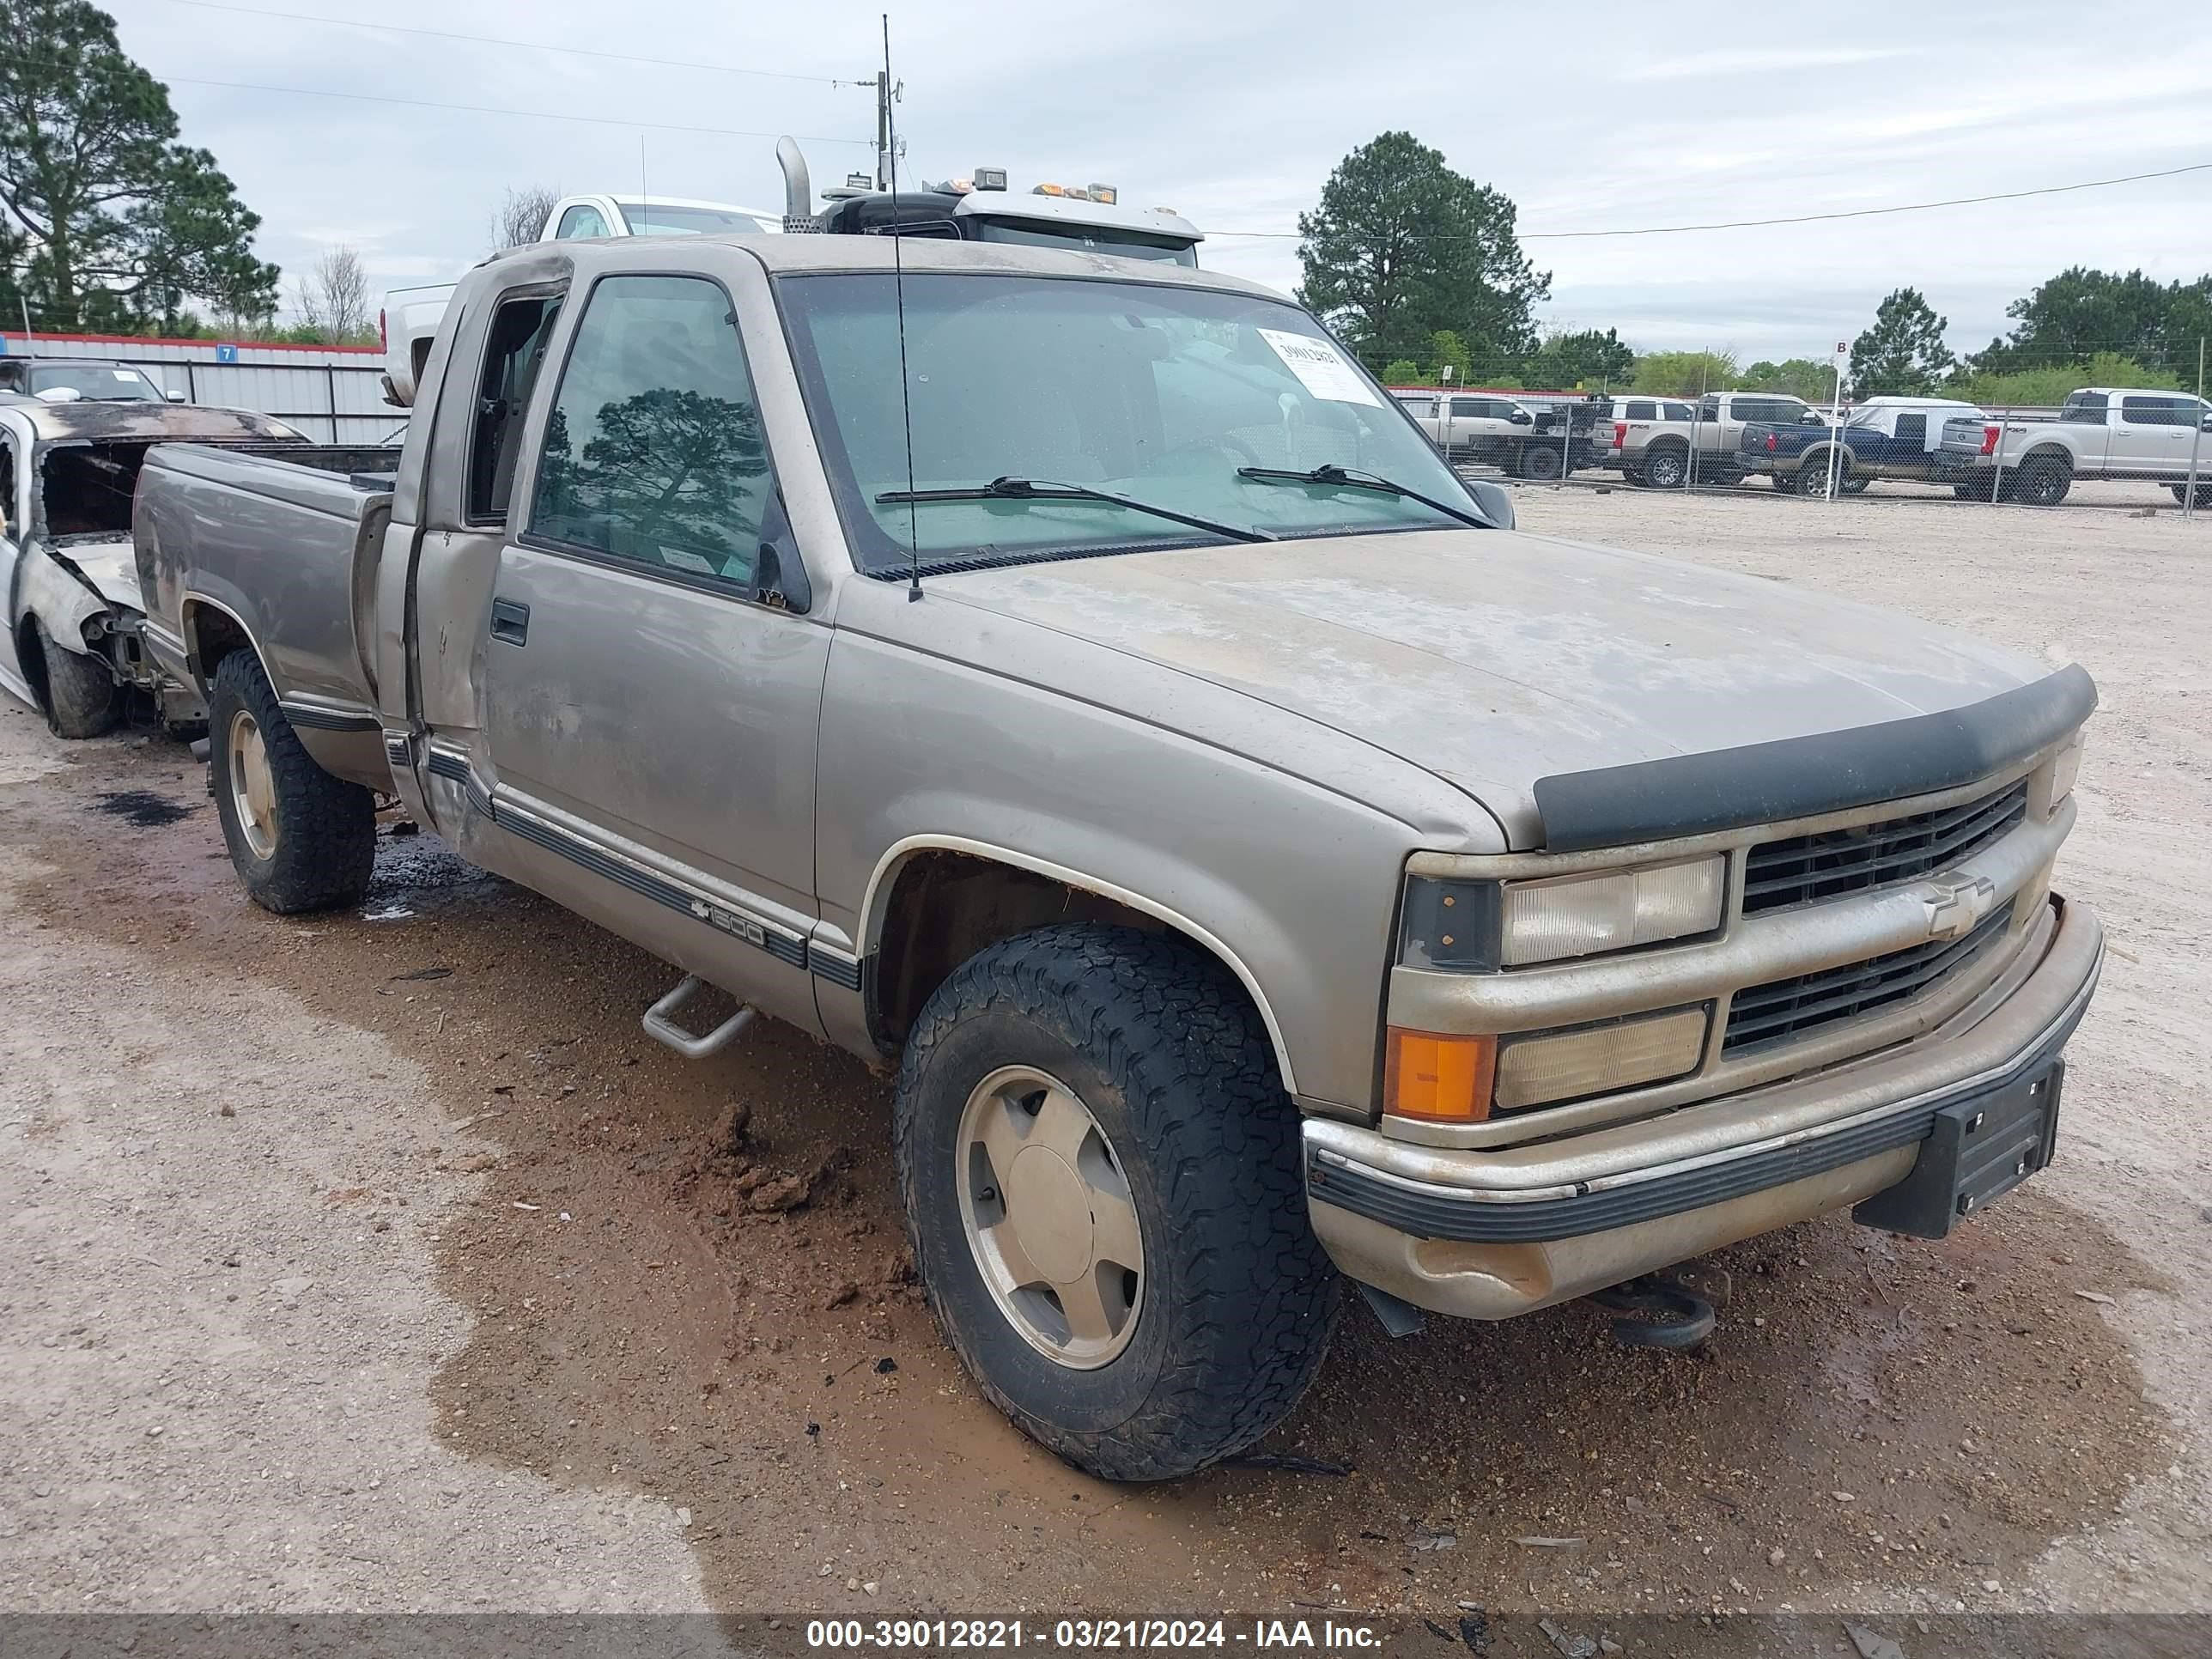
978 209
2102 432
409 321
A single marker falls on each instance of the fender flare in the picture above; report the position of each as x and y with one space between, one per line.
881 881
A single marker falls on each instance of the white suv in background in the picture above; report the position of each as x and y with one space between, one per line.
1468 426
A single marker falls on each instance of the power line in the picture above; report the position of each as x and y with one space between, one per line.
1807 218
498 41
491 109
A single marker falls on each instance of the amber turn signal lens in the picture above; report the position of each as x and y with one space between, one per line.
1436 1078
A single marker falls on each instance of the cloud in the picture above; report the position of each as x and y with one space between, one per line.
1605 118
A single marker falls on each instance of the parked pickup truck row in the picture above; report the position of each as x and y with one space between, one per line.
1083 690
2100 432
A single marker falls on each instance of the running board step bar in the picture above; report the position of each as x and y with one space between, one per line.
659 1023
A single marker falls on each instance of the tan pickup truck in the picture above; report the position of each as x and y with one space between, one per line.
1077 687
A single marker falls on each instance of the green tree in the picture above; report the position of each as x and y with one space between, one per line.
1903 355
1401 246
1401 370
2080 312
1448 351
121 223
1685 373
1588 359
1800 377
2042 388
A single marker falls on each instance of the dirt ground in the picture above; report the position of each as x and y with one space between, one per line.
380 1262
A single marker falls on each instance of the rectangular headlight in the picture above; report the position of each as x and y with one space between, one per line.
1593 1059
1609 910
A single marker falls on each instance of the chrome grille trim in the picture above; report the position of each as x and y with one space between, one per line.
1831 863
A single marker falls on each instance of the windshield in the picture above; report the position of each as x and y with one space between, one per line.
101 382
1099 239
1156 393
659 219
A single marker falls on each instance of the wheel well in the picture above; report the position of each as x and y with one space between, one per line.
946 906
33 657
210 636
2046 454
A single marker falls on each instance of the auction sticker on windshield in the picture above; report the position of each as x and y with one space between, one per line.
1321 367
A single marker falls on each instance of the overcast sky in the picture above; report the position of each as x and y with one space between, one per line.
1591 116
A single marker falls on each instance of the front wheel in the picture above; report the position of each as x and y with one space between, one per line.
83 699
298 838
1100 1171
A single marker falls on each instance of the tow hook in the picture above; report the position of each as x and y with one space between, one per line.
1676 1309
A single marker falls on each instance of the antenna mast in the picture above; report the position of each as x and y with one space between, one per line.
890 156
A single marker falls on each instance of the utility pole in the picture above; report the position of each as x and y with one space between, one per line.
886 89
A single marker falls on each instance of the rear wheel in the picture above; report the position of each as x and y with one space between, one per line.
1812 476
83 699
1540 462
300 839
1666 465
2043 481
1100 1171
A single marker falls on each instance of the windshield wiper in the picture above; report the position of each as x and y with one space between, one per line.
1044 489
1337 476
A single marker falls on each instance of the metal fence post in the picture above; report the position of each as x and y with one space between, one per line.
2197 438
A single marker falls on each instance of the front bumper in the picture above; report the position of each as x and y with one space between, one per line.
1486 1234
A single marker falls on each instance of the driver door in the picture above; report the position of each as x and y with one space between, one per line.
651 687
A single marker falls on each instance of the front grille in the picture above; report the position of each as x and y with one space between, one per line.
1831 862
1785 1008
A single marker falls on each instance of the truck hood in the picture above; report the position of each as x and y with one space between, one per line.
1493 658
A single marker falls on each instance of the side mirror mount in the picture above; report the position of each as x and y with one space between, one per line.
1522 417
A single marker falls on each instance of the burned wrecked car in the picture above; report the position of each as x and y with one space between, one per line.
68 471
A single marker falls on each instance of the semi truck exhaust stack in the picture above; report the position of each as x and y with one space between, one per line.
798 188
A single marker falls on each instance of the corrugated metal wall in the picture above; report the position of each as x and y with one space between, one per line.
329 392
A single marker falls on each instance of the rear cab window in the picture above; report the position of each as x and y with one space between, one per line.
2083 408
513 354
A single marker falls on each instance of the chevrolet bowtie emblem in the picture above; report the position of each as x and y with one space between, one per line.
1955 906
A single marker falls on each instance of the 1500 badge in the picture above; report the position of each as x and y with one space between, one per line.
730 921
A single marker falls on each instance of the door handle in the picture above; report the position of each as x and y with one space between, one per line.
510 622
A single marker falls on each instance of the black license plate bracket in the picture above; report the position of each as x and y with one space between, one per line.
1979 1149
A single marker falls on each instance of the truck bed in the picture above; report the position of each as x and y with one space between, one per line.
271 543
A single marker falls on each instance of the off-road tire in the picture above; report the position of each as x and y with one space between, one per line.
1541 462
2181 494
2041 482
1166 1051
1812 476
1665 466
325 828
81 697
